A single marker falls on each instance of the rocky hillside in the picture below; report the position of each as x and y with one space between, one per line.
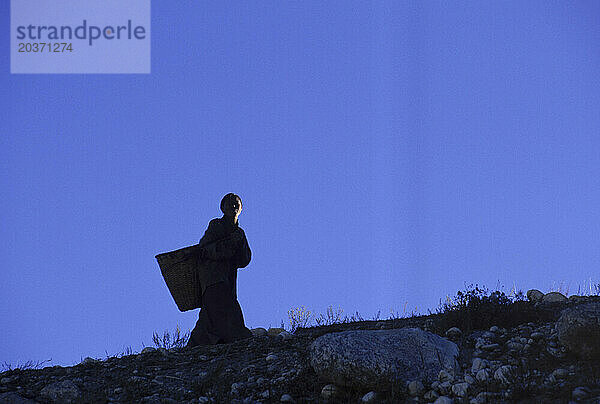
482 349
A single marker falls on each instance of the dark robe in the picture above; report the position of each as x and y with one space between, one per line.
225 249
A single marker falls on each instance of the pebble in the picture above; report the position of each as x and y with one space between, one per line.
286 398
580 393
445 376
328 391
483 375
370 397
503 374
537 336
460 389
431 395
454 333
415 388
478 364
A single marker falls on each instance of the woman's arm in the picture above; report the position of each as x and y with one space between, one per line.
216 246
244 255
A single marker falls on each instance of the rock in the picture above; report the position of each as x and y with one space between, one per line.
481 398
578 329
454 333
431 395
370 397
89 360
65 391
556 352
483 375
236 387
490 347
460 389
445 376
515 346
286 398
271 358
494 328
504 374
259 332
580 393
415 388
478 364
273 332
248 369
554 297
14 398
537 336
203 400
469 379
443 400
560 373
148 349
328 391
284 335
444 388
534 295
575 299
366 357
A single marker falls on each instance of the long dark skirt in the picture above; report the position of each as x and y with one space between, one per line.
221 320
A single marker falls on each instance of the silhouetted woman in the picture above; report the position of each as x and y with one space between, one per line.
222 250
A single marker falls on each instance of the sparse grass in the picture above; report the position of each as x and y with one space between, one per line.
167 341
27 365
474 308
127 351
301 317
589 288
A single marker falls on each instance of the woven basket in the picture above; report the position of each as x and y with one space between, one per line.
179 269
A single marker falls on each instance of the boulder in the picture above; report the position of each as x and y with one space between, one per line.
578 329
369 357
64 391
534 295
554 297
454 333
273 332
258 332
576 299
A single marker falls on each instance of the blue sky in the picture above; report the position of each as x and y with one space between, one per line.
386 154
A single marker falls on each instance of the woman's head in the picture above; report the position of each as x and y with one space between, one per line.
231 205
